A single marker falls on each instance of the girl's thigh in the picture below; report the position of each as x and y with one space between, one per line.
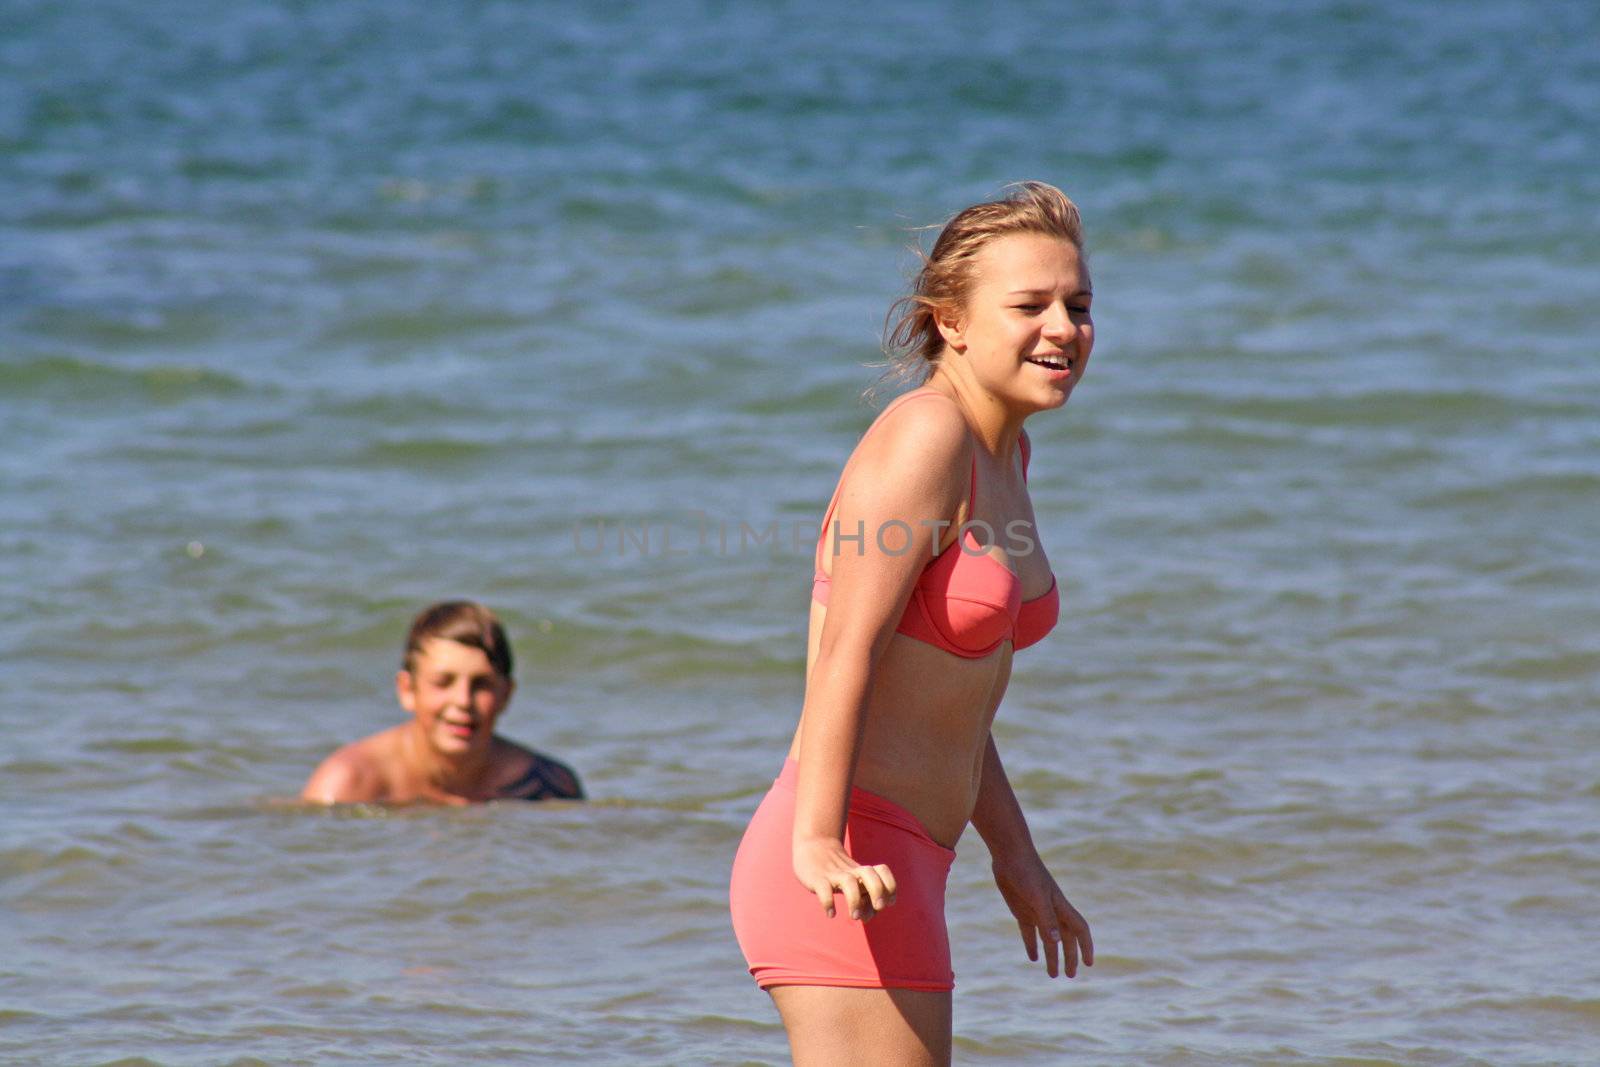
830 1025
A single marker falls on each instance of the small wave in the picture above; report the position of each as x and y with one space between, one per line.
1560 861
32 768
77 380
28 860
1577 907
727 291
1394 408
631 216
519 122
1561 667
1045 782
775 99
425 452
1207 433
1190 855
145 745
1106 964
422 325
1012 1048
203 167
319 991
385 408
816 400
1455 707
1555 576
1148 780
164 322
417 191
1585 1009
715 663
1530 490
1169 598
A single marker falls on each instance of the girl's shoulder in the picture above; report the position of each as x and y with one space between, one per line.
921 426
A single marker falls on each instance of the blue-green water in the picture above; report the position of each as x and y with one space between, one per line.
310 314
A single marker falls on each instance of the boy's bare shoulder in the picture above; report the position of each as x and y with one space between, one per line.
356 773
531 775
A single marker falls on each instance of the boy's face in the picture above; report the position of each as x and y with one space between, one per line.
456 695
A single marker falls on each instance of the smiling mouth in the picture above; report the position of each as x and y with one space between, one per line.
1051 362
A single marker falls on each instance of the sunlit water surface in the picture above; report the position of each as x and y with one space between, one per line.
310 314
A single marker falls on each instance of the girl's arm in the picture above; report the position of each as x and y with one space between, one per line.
1041 909
913 470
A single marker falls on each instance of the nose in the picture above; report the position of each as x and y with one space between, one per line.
1058 326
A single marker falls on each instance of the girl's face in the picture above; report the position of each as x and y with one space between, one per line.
1026 332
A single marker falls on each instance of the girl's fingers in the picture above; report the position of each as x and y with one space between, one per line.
1077 929
1061 935
1085 941
1054 920
890 886
872 883
1030 941
1069 955
866 890
848 884
824 893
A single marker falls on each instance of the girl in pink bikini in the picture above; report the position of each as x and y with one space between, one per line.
929 576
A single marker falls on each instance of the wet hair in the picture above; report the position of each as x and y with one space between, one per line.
465 623
911 337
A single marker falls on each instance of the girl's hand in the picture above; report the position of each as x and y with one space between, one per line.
823 866
1043 911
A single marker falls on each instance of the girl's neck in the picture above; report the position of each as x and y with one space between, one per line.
996 428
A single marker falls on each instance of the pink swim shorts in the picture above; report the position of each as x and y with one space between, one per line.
788 939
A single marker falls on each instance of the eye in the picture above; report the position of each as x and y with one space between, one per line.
1029 307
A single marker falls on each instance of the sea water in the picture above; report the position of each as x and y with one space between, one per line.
311 314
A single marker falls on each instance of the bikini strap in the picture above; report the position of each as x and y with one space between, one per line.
833 502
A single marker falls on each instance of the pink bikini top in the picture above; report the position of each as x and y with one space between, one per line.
967 603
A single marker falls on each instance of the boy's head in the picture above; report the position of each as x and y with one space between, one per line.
464 622
456 675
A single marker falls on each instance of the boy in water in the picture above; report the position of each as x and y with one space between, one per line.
455 681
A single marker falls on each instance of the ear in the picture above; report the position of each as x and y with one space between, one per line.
405 690
951 328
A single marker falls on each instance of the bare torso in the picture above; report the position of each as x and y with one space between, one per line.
929 712
383 769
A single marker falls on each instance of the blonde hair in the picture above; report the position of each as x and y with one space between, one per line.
911 337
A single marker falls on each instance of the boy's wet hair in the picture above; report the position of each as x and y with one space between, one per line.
464 622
